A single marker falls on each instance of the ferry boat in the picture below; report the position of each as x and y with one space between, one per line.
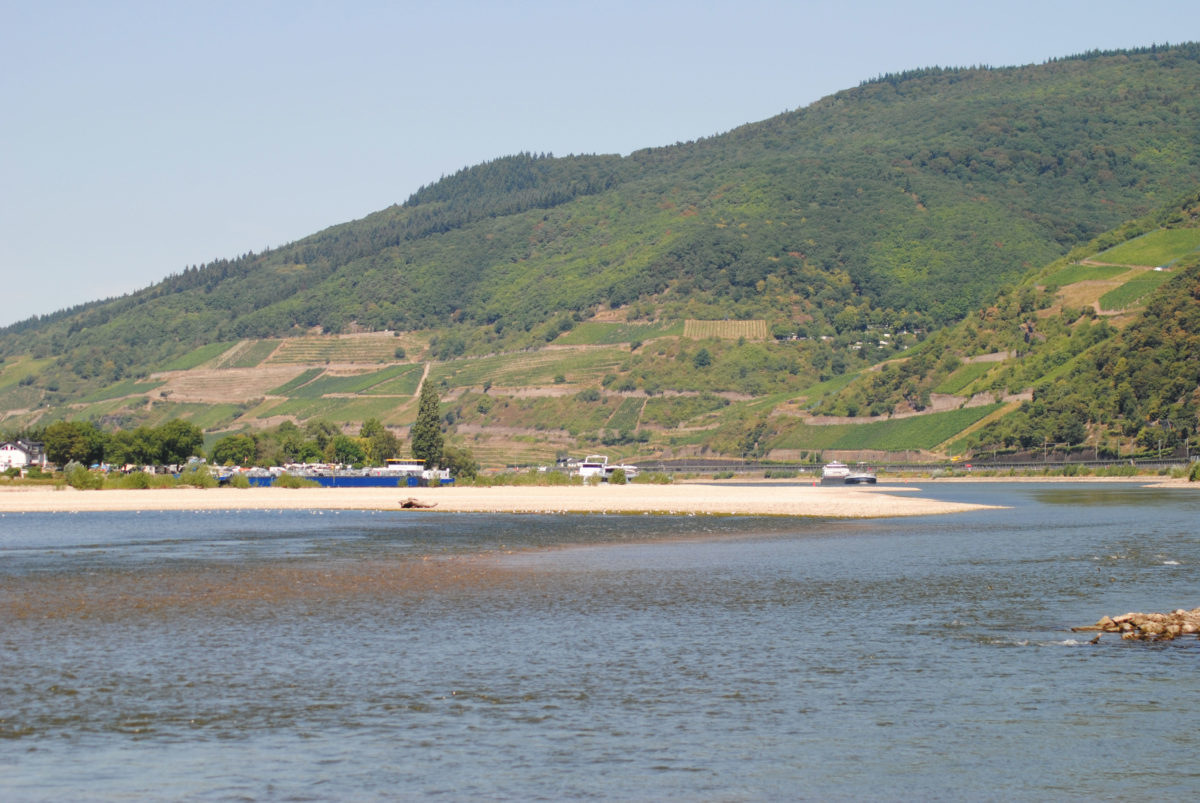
860 475
838 473
596 465
835 472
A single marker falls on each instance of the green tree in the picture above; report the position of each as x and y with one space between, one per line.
379 441
238 450
321 431
178 440
347 450
132 447
461 462
426 436
74 441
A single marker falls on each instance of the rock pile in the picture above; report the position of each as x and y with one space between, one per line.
1148 626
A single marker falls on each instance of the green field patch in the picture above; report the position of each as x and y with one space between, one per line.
725 330
1083 273
404 383
671 411
197 357
19 397
964 376
627 415
107 409
254 354
1134 290
529 368
205 416
1159 247
130 387
917 432
336 348
337 410
11 373
543 414
289 387
332 384
594 333
829 387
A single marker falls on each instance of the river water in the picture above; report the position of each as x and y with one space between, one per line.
376 656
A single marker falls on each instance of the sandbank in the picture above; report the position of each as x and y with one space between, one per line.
678 499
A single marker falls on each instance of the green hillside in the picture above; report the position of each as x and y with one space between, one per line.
1105 354
868 235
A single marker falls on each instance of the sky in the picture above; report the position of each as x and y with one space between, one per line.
141 138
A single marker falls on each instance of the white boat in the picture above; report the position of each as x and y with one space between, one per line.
838 473
835 472
860 475
596 465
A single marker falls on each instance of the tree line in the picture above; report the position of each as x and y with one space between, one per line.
319 441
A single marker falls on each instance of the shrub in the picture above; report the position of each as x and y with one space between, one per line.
653 478
239 480
78 476
292 481
134 480
618 477
1194 472
198 476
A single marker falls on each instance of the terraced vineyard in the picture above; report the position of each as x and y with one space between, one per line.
1159 247
328 384
627 415
252 354
529 368
231 384
725 330
373 347
598 333
1134 290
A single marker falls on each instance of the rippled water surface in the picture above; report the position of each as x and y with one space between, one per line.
309 656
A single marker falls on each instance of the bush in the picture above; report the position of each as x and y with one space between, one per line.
133 480
292 481
78 476
239 480
1194 472
618 477
653 478
198 476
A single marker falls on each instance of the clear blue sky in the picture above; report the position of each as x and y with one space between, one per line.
137 138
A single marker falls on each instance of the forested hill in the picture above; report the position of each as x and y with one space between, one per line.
909 200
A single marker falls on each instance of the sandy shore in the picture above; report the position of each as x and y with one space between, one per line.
682 499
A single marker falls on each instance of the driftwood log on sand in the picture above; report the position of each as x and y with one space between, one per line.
1148 626
415 503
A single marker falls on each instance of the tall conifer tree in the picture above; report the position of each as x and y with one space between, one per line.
426 436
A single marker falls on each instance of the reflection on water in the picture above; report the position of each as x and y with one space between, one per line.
373 655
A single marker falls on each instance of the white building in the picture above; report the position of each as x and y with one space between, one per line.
22 454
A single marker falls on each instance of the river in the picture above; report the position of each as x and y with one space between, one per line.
376 656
